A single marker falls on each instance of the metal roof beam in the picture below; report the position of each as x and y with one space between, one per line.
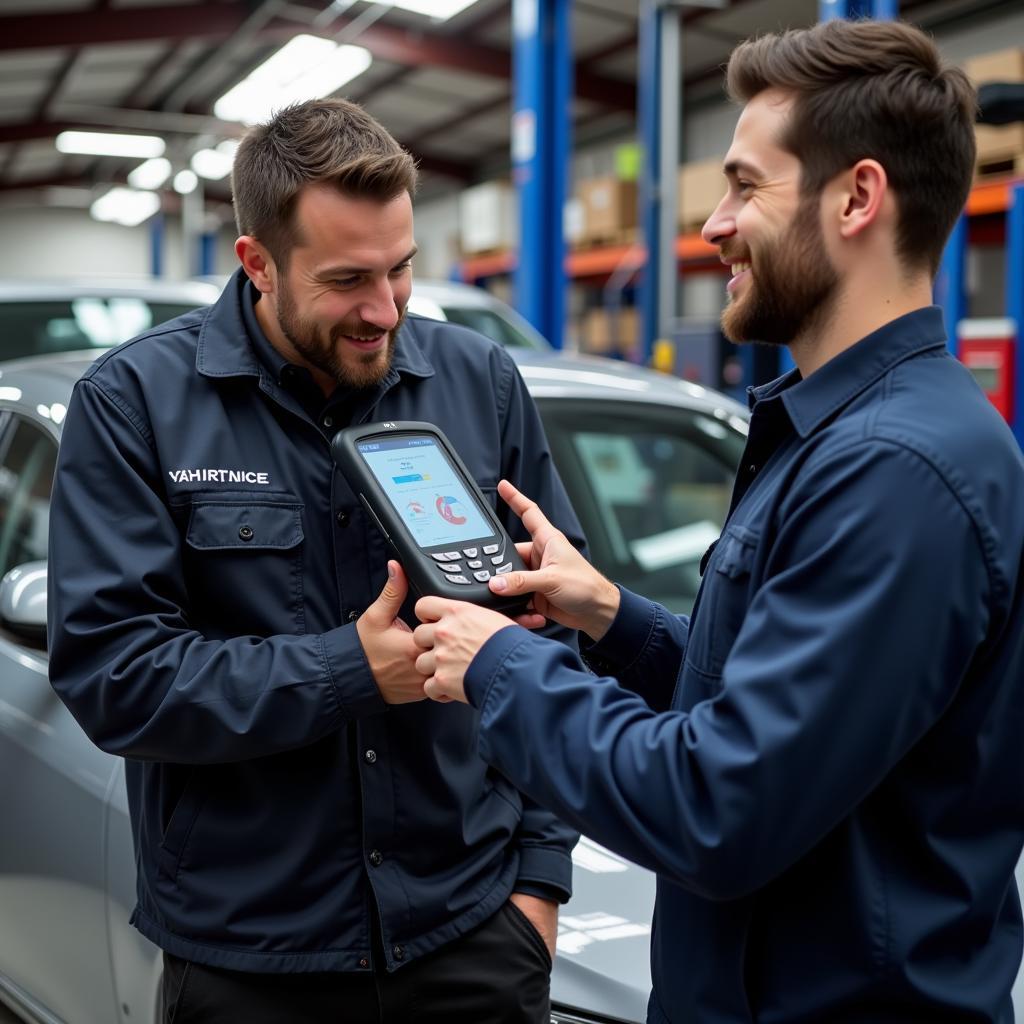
175 23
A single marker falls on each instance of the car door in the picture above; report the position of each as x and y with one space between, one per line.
53 785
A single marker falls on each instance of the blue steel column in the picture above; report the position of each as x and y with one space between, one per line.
648 114
156 245
541 140
207 253
1015 300
951 281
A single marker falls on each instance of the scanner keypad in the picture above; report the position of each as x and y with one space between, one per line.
450 563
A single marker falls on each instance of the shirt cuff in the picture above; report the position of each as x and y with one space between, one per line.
350 673
626 636
544 872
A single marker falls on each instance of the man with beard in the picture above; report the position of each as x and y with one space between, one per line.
823 762
315 842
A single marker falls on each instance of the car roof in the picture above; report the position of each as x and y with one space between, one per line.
198 293
452 293
44 380
555 374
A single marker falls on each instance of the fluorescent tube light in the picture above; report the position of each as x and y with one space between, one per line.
185 182
439 10
127 206
305 68
208 163
110 144
152 174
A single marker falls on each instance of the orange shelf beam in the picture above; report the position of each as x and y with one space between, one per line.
691 250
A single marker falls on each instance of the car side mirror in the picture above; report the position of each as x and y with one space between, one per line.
23 602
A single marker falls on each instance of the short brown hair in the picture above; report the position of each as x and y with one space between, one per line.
879 90
329 141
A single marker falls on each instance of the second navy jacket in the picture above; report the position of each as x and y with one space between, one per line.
824 764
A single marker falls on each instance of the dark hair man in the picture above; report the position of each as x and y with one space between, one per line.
312 845
823 762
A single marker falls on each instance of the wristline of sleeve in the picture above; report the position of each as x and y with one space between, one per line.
349 672
627 637
544 872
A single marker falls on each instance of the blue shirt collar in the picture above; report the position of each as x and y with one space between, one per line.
811 402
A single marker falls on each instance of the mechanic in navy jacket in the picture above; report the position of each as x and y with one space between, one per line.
824 763
313 845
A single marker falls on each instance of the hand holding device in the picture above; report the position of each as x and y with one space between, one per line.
388 643
565 586
430 510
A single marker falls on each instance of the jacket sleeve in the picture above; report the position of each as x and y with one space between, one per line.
545 843
836 672
643 649
140 681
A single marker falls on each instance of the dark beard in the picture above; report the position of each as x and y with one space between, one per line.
792 286
305 337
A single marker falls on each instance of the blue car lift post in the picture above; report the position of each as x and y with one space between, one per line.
541 140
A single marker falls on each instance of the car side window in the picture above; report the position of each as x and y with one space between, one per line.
26 480
651 486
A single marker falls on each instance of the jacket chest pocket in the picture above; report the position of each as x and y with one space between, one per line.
243 567
724 601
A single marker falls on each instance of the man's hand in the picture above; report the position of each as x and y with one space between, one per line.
451 634
388 642
565 586
543 915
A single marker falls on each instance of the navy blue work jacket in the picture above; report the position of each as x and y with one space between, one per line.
825 763
207 563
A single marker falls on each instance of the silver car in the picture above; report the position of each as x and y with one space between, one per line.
74 314
473 307
648 461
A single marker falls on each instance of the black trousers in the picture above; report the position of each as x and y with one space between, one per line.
499 973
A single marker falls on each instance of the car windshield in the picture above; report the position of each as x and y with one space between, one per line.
494 326
33 327
651 486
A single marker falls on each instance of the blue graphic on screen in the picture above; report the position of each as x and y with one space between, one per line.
425 490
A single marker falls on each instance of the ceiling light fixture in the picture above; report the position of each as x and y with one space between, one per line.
438 10
305 68
214 164
110 144
185 182
151 174
127 206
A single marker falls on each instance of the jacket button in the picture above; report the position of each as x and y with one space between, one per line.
328 421
398 952
353 615
342 518
376 858
752 468
245 532
371 756
363 962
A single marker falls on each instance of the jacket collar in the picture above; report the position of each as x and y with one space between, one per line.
813 401
226 350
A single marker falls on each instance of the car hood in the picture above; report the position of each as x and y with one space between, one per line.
604 936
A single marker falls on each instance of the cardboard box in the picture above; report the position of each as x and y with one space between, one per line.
701 187
609 208
997 142
604 333
487 217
